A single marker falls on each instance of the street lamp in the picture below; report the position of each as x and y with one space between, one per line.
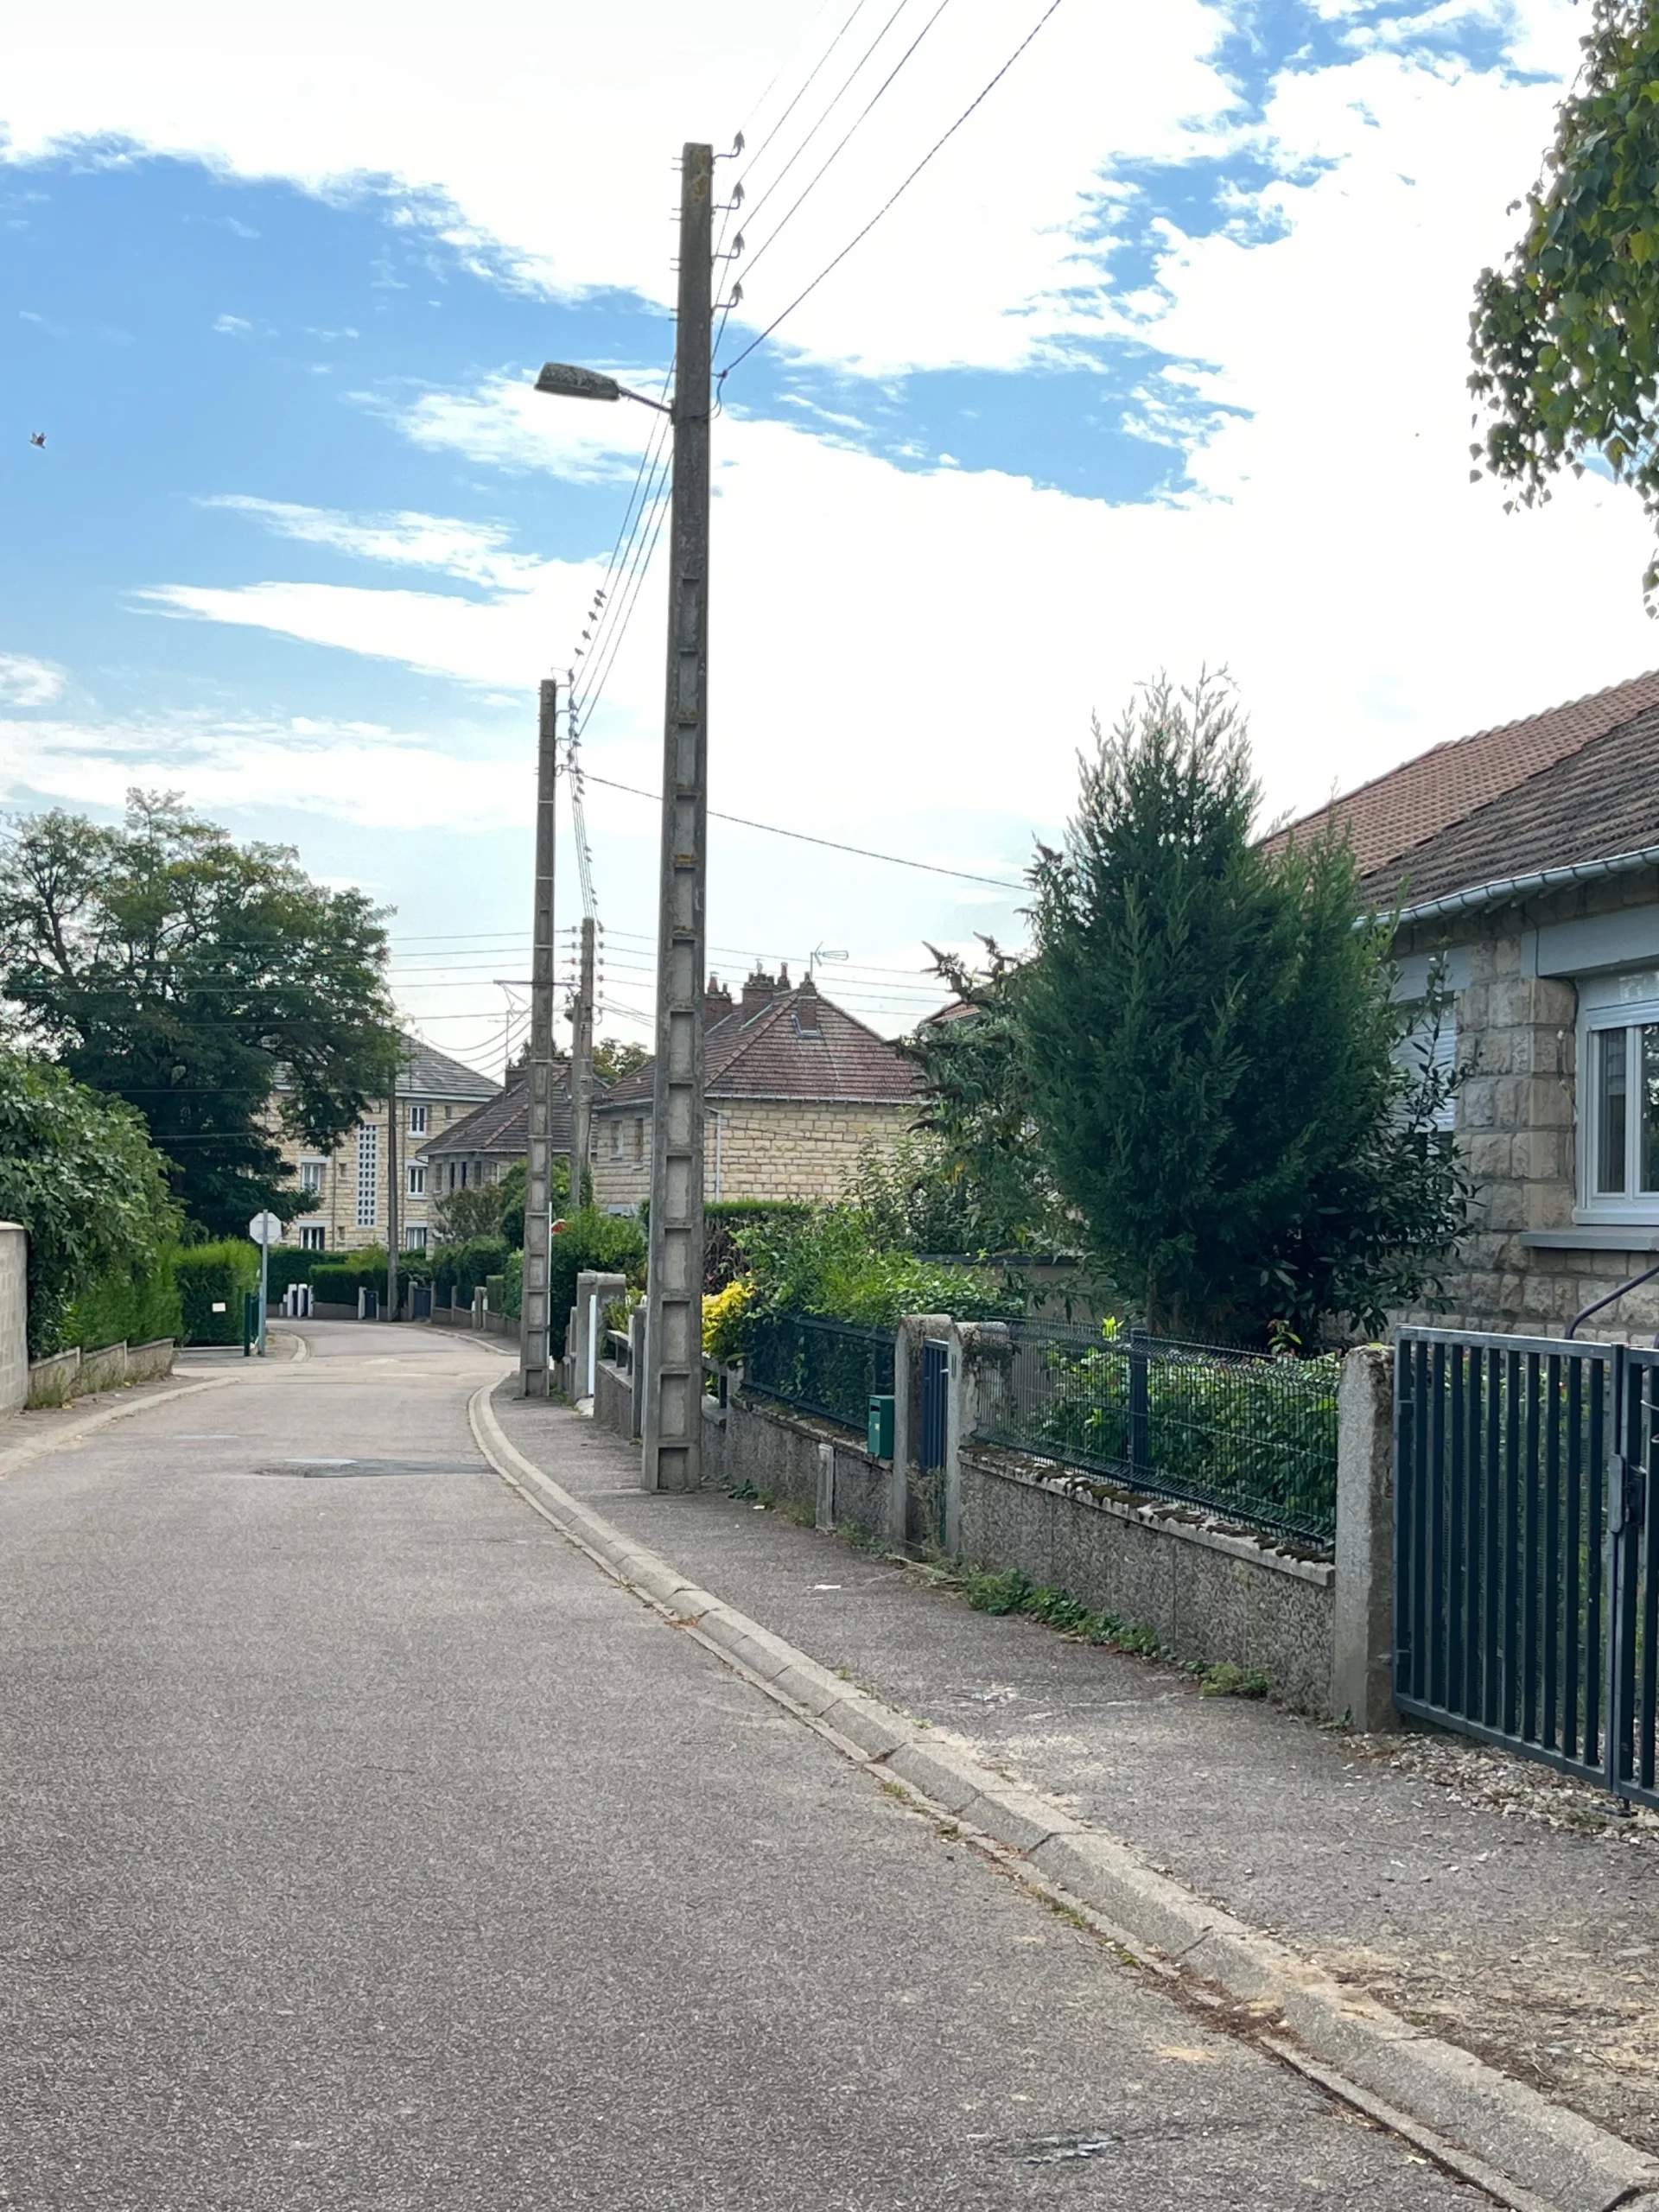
565 382
671 1385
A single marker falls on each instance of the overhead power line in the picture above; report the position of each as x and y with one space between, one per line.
834 844
894 197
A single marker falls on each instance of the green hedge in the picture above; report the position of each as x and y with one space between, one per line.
337 1280
459 1270
616 1243
137 1305
210 1275
288 1264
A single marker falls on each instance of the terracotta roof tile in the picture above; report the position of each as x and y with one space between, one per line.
1425 797
801 1046
502 1127
1599 801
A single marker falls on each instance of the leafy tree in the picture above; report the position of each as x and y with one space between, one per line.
494 1208
978 1105
203 981
613 1059
1210 1045
1566 336
79 1172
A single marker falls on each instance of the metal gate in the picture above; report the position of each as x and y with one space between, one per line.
936 1381
1526 1554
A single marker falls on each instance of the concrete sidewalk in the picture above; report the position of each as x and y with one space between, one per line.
1482 1899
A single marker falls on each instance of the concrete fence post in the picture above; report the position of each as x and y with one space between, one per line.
825 1516
981 1360
480 1306
912 1332
14 1317
595 1289
1362 1670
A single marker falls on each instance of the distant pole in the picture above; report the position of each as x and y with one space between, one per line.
538 1209
582 1070
264 1281
672 1424
392 1194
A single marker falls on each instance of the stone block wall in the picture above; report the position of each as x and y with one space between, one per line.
753 1149
14 1317
1515 1119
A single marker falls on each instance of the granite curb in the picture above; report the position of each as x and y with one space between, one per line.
1533 2155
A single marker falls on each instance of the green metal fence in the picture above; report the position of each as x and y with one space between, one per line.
829 1368
1248 1437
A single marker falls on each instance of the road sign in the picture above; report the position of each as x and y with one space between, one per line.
266 1229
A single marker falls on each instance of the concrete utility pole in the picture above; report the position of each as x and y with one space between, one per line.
673 1377
582 1070
393 1196
538 1209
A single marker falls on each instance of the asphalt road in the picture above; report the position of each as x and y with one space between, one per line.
364 1849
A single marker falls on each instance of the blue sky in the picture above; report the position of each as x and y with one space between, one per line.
1159 365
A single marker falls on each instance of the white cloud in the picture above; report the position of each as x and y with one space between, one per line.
553 132
477 552
25 682
232 326
355 772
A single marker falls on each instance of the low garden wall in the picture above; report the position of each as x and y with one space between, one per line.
76 1374
1210 1592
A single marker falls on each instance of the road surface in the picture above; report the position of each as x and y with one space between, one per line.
364 1849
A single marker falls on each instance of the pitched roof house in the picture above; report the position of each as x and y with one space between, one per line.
795 1089
482 1148
1527 856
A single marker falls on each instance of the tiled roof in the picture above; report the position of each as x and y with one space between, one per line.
428 1073
502 1127
1424 798
801 1045
1598 802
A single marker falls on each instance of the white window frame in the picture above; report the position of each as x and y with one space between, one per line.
417 1181
418 1120
414 1238
314 1236
311 1176
368 1174
1630 1002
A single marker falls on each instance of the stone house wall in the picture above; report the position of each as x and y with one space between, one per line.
336 1208
753 1149
1527 1267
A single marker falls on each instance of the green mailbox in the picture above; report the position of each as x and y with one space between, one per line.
881 1436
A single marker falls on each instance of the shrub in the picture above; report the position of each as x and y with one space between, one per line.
616 1243
336 1280
723 1318
290 1264
215 1275
459 1270
828 1263
134 1304
78 1172
725 1227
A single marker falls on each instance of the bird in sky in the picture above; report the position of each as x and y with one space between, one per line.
37 437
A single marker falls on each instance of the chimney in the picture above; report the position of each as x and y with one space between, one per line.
809 1019
759 992
716 1002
